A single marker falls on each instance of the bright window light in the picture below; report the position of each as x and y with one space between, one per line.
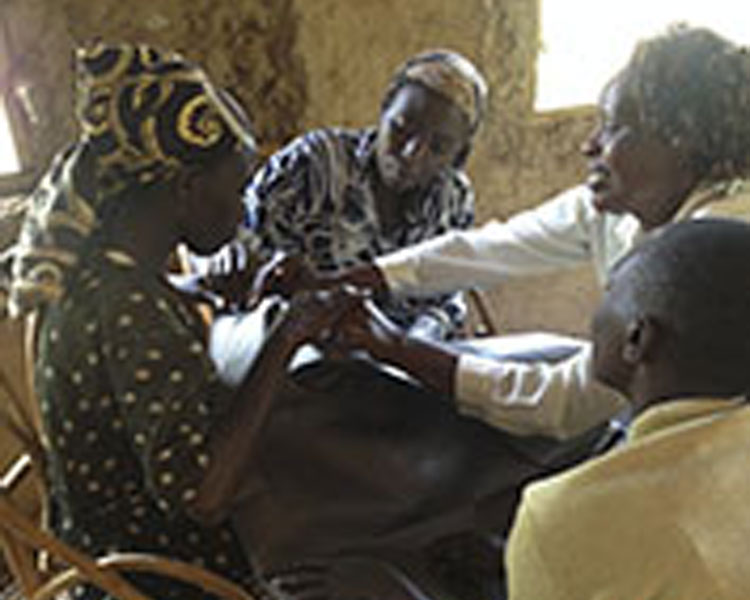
9 162
585 42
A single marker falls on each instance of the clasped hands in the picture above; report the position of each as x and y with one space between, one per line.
335 312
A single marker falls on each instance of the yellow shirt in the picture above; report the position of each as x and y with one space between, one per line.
666 517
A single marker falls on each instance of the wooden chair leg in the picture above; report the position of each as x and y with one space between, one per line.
23 527
486 325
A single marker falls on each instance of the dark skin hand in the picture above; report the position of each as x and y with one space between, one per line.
365 327
287 274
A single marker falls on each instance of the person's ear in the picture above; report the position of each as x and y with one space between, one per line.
641 336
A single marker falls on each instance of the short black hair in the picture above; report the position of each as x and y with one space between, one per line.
693 279
691 88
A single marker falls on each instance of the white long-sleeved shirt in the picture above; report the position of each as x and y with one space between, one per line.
564 232
560 400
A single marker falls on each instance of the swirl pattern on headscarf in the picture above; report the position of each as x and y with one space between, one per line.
449 74
143 115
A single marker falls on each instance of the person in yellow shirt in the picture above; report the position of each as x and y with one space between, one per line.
666 515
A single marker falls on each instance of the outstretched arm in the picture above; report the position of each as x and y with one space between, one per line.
556 235
535 397
559 234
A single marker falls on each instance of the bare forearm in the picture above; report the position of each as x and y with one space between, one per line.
234 439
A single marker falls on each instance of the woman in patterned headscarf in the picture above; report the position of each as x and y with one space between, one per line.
145 445
340 197
147 120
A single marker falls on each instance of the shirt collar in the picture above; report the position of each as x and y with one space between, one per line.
629 230
698 203
676 414
364 152
707 194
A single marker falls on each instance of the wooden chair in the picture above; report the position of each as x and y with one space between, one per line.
44 566
482 322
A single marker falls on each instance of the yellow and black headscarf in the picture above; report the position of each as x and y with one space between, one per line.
143 115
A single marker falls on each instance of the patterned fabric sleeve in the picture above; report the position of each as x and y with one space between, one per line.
461 213
282 203
167 390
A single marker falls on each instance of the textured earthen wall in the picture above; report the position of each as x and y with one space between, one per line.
247 45
305 63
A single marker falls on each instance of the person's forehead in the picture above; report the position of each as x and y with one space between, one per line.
420 103
415 96
615 101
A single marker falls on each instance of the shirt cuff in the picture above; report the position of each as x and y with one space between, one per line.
555 399
476 380
399 269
